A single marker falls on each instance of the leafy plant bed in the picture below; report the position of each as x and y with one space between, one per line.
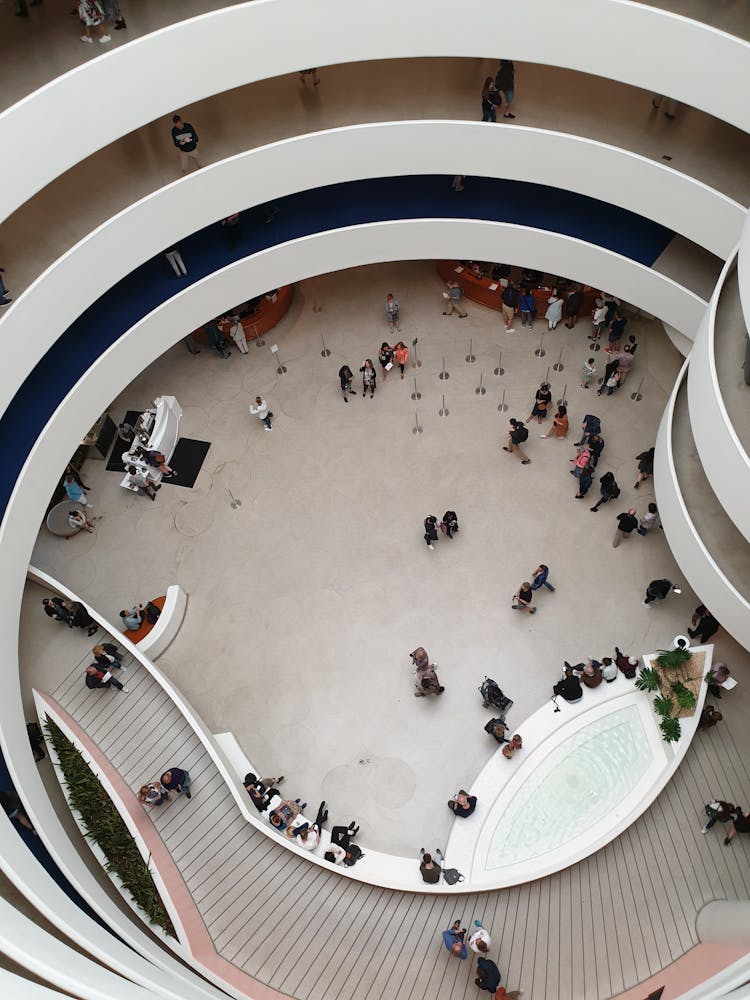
103 824
680 681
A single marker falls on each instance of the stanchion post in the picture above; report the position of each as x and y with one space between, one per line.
480 389
443 374
325 353
636 396
471 357
416 363
443 411
416 429
280 369
540 351
500 370
558 365
416 394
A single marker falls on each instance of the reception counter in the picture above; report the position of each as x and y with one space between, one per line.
263 318
488 292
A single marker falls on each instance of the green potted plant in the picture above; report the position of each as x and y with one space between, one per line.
685 697
647 680
671 659
671 730
663 705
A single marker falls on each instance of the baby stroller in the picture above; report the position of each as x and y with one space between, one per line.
492 695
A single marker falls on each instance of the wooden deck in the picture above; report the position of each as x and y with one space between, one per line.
586 933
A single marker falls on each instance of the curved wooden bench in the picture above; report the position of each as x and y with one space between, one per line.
154 639
264 318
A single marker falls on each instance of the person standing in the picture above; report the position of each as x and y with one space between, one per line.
430 530
304 73
261 411
573 303
584 481
645 467
107 655
453 296
237 333
185 139
649 519
56 609
75 491
670 105
523 598
385 357
581 461
112 13
527 305
392 312
657 590
91 14
607 382
515 438
505 84
95 677
559 423
153 794
142 483
588 372
401 351
345 379
126 433
554 310
449 524
176 780
626 525
616 330
598 319
488 976
596 447
542 400
368 378
608 489
510 304
704 625
490 101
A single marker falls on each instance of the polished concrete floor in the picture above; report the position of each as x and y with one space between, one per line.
306 600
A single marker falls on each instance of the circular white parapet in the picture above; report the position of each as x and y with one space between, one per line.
584 775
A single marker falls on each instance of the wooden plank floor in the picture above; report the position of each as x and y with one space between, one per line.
585 933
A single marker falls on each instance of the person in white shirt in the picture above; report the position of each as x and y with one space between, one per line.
599 319
609 669
237 333
480 940
260 410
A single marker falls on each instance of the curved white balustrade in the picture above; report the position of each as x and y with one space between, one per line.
722 455
743 271
225 49
135 235
700 568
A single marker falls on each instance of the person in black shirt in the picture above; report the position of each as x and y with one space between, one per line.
523 598
569 687
596 447
490 100
510 304
704 624
609 490
185 139
626 525
573 303
645 466
657 590
506 85
515 438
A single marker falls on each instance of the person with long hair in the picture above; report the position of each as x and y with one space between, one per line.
368 378
490 100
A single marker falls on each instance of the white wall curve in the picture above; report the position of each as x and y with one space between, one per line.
209 54
743 271
142 230
722 455
330 251
695 561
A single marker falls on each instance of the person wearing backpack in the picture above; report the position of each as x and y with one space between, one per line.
590 425
515 437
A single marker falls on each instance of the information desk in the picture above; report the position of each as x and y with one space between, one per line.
162 437
488 292
269 312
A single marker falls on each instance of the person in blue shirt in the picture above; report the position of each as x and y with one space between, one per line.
75 491
591 425
539 578
527 306
453 939
185 139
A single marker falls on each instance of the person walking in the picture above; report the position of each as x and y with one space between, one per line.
657 590
505 84
596 447
645 467
649 519
581 461
261 411
527 306
56 609
624 359
704 625
584 481
523 598
539 578
609 371
515 438
588 372
573 303
177 780
553 314
490 100
174 258
608 489
91 14
591 424
345 379
426 682
108 655
401 352
449 524
95 677
75 491
717 811
559 424
542 401
626 524
368 378
185 140
392 312
453 299
385 357
430 530
509 299
428 868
